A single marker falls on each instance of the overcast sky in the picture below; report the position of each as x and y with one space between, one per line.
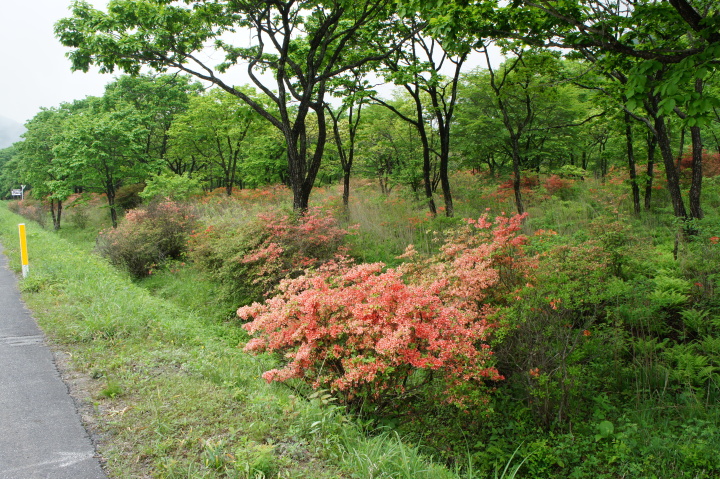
34 72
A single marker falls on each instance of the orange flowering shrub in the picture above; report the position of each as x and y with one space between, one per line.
291 244
710 163
249 260
554 184
369 332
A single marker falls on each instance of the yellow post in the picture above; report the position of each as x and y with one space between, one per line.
23 250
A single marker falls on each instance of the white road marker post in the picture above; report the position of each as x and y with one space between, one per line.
23 250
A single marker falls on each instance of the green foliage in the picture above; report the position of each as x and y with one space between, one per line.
225 140
171 186
128 197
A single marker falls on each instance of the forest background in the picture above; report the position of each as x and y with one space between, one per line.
575 337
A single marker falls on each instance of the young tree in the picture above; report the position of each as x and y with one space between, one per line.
389 148
354 91
107 147
161 98
217 129
49 172
418 69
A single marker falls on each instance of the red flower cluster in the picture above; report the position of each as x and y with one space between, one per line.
365 329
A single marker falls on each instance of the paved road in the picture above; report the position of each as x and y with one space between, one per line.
41 435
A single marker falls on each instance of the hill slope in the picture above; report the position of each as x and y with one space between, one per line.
10 132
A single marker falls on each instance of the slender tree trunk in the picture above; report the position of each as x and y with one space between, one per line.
113 211
444 177
516 174
681 148
697 152
651 144
427 170
673 179
631 165
56 213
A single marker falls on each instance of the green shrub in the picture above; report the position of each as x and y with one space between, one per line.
128 197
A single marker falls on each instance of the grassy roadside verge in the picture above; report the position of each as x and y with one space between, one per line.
173 395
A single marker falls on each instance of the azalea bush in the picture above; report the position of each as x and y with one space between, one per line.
292 243
710 163
371 333
147 236
561 187
31 209
249 259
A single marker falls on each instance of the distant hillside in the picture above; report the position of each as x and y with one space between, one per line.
10 132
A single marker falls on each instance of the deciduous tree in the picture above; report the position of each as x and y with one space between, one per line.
303 43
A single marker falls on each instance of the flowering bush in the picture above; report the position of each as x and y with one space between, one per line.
370 332
555 185
147 236
31 209
292 244
710 163
249 260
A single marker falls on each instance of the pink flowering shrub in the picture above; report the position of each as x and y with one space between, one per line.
31 209
147 236
291 244
249 260
368 332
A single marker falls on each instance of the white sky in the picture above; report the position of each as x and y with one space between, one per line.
34 71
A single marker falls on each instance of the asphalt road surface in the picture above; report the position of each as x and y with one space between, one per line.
41 435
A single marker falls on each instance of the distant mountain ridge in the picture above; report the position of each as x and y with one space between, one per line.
10 132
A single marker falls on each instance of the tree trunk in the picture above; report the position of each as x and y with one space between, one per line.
113 211
673 179
346 188
651 144
631 165
697 151
56 213
444 176
447 193
681 148
516 174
